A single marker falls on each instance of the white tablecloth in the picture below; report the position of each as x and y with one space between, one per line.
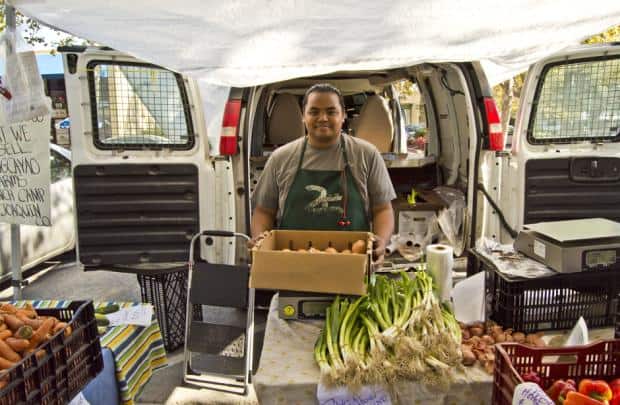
288 374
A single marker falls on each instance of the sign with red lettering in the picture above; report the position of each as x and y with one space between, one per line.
25 172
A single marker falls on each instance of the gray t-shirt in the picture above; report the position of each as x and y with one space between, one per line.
367 167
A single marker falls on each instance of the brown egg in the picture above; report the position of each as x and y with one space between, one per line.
313 250
302 250
285 250
347 251
359 246
331 250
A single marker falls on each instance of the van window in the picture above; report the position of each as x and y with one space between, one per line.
138 106
414 114
577 101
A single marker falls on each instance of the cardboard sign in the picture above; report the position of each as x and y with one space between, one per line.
342 396
25 172
530 394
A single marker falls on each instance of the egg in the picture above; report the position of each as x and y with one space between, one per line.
285 250
331 250
301 250
359 246
347 251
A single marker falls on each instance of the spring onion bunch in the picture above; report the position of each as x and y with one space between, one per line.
398 330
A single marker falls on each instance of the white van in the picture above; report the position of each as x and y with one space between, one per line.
146 177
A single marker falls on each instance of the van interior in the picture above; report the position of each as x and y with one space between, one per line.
418 119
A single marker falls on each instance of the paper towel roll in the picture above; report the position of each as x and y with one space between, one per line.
439 262
391 248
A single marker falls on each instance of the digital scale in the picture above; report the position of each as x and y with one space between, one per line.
303 305
572 246
310 305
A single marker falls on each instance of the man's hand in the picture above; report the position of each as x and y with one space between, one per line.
262 221
256 240
383 226
378 252
378 248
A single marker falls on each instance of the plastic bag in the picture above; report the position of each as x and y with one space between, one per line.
451 219
26 99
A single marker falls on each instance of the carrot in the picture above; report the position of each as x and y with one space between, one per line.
19 345
30 308
13 322
5 334
41 333
3 383
7 308
34 323
26 313
8 353
40 354
4 363
1 320
3 327
25 332
60 326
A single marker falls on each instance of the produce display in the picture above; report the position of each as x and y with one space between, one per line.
587 392
398 330
359 247
22 331
479 339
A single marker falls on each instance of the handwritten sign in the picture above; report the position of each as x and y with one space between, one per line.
140 315
25 172
342 396
530 394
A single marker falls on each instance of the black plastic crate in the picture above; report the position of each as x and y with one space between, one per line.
62 366
167 291
552 303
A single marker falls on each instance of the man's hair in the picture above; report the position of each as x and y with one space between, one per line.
323 88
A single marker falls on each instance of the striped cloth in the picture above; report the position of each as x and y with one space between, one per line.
138 351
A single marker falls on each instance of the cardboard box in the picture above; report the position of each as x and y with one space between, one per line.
337 273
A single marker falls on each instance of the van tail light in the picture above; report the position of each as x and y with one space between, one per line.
230 127
496 136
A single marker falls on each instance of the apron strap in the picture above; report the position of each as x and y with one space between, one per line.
303 150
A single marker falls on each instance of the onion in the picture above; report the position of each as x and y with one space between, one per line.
476 331
488 340
465 334
469 358
501 337
518 337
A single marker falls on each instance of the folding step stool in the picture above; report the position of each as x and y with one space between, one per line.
223 286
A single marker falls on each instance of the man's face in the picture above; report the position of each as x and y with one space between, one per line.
323 117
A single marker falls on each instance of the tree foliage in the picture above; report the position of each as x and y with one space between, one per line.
31 30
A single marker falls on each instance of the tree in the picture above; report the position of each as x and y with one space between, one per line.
33 34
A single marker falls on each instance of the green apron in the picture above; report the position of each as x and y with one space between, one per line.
317 197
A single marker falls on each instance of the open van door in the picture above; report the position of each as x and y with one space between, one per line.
143 178
565 157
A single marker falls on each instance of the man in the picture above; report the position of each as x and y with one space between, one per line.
326 180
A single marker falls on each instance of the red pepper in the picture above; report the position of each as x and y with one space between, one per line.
576 398
597 389
559 389
614 383
615 394
531 376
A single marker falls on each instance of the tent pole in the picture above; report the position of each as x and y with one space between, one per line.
16 262
16 254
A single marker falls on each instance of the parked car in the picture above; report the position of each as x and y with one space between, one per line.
39 243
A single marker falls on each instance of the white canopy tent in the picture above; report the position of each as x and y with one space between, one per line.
250 42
